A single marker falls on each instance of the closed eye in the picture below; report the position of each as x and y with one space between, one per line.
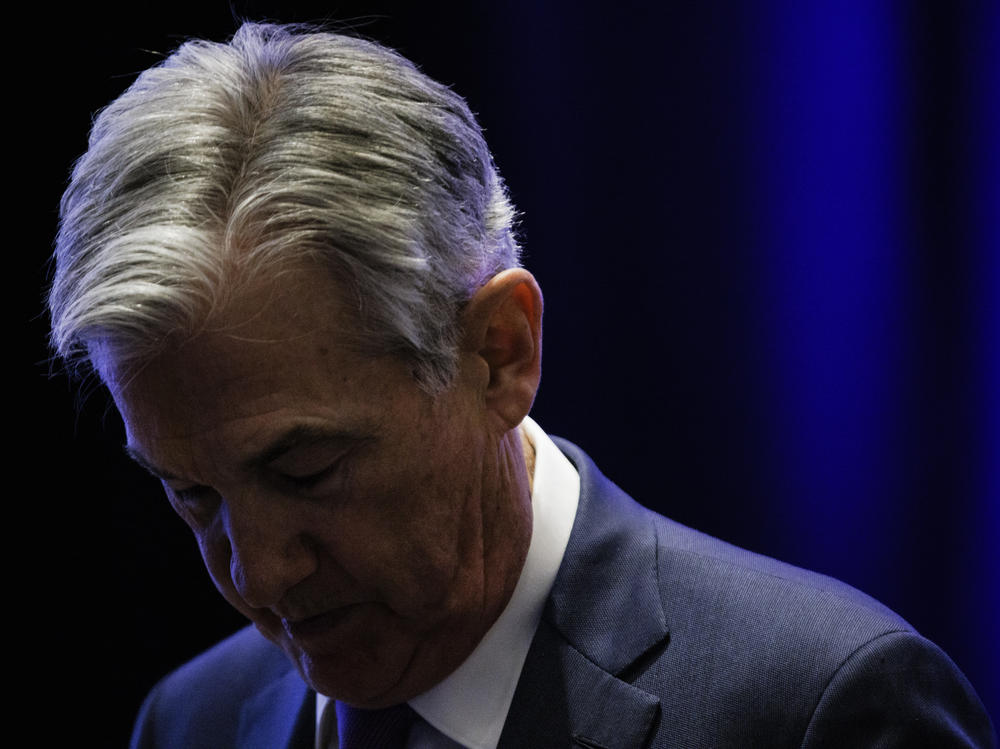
309 481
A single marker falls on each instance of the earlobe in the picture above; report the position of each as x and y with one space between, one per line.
503 328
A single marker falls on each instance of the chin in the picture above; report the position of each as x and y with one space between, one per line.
355 679
365 657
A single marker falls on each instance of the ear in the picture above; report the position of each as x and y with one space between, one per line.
502 328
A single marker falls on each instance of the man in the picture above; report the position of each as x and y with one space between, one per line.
290 259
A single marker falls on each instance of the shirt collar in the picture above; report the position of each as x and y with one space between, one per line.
470 706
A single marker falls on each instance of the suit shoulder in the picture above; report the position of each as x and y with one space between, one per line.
237 664
899 689
202 699
721 576
805 654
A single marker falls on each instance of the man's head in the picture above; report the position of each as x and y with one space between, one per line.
290 260
228 162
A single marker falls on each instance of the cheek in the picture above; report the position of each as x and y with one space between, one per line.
397 541
430 548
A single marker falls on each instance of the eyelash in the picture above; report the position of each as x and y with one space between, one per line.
312 480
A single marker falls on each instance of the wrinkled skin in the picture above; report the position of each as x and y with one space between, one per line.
370 530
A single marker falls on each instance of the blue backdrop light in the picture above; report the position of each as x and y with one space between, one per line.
829 114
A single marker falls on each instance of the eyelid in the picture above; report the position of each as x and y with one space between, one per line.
311 465
310 480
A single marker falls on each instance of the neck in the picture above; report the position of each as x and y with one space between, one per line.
529 458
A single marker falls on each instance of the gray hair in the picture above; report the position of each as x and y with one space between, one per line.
228 161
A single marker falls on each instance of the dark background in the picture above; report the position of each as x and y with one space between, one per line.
768 238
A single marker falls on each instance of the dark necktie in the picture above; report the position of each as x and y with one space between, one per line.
386 728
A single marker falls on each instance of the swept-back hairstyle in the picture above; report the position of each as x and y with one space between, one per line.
231 162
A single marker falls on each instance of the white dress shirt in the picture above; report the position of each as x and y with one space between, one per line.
469 707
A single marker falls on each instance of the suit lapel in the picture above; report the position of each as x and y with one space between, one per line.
563 700
603 615
282 715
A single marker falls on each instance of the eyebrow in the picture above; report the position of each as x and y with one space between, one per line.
142 460
301 435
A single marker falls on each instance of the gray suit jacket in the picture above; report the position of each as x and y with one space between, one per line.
654 635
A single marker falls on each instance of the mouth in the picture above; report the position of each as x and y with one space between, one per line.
313 628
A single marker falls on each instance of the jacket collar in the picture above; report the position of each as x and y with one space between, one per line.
606 597
603 615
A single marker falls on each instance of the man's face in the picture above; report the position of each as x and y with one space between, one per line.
370 530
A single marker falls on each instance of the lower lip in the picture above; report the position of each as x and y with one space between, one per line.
317 627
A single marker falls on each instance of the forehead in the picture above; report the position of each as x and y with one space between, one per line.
278 352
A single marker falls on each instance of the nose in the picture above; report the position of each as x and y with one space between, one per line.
270 549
